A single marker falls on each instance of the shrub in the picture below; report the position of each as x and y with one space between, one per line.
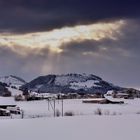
98 111
114 114
69 113
138 112
58 113
19 97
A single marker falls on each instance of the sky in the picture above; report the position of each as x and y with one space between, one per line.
101 37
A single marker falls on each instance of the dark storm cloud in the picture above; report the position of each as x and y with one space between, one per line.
114 60
127 40
39 15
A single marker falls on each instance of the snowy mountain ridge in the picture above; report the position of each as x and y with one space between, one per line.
66 83
12 81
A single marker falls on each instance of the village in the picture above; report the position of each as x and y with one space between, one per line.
10 104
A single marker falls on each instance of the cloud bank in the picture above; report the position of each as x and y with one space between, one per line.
24 16
115 59
61 36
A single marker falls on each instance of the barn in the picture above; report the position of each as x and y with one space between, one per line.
7 102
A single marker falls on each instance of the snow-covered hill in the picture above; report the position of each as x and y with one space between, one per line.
12 81
80 83
14 91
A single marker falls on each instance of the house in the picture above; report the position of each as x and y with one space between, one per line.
7 102
115 94
8 106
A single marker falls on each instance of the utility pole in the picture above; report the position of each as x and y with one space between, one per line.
62 108
48 104
22 114
54 107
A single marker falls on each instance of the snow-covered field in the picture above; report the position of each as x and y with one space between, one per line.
118 122
41 108
72 128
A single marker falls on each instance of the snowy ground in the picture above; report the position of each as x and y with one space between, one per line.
40 108
117 122
72 128
124 124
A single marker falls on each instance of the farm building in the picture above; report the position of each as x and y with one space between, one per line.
8 106
95 100
117 94
102 101
122 95
7 102
4 112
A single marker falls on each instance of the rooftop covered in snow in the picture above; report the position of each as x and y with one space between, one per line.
7 101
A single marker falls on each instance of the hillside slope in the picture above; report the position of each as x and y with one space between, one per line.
80 83
12 81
